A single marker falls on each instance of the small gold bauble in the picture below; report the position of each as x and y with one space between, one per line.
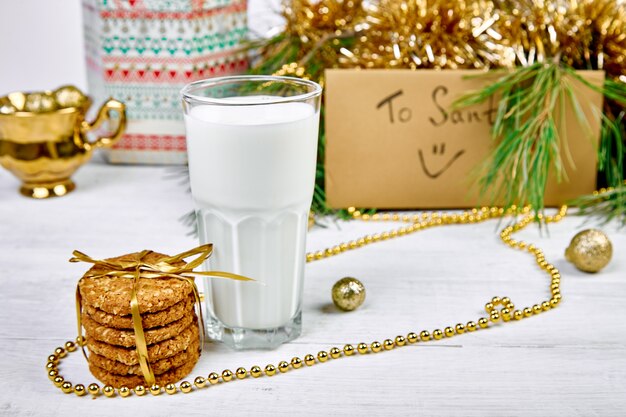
124 391
590 250
348 293
170 389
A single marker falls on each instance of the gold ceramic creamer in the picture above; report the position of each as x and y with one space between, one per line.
43 137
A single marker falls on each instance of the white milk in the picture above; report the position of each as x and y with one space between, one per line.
252 172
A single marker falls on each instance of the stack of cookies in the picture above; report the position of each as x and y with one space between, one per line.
169 322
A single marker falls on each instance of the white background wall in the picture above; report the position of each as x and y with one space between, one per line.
41 42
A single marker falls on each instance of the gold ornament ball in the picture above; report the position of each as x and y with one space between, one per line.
590 250
348 293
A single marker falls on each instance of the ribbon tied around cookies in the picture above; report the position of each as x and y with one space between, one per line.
137 267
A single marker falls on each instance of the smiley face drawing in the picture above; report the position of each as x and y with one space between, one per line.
439 155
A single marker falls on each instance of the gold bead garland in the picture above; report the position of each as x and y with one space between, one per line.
498 309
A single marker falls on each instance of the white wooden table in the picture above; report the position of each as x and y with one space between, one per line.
570 361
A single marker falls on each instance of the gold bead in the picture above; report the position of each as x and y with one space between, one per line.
186 387
494 316
362 348
309 360
545 306
495 301
80 390
60 352
124 391
50 366
518 315
412 337
66 387
376 347
171 389
437 334
554 303
70 347
322 356
270 370
93 389
537 309
335 352
283 366
488 307
52 373
388 344
296 362
53 358
505 313
400 341
424 335
483 323
241 373
200 382
348 293
448 331
528 312
505 300
58 381
348 350
140 390
255 371
510 306
213 378
470 326
155 389
590 250
227 375
108 391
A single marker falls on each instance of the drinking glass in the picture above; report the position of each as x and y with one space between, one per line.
252 148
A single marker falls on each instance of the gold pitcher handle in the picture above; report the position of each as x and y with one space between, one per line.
104 114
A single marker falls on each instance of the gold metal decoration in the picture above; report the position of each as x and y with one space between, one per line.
348 293
500 310
43 137
590 250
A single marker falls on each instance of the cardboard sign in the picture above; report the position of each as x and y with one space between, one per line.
393 142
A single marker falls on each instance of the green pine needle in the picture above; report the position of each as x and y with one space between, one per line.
605 206
527 133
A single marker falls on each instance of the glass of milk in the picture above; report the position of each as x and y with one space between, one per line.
252 148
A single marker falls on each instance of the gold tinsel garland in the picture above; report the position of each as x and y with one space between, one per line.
448 34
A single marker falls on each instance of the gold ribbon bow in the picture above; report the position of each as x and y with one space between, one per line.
140 268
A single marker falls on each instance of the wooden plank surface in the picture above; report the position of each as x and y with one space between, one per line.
568 362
